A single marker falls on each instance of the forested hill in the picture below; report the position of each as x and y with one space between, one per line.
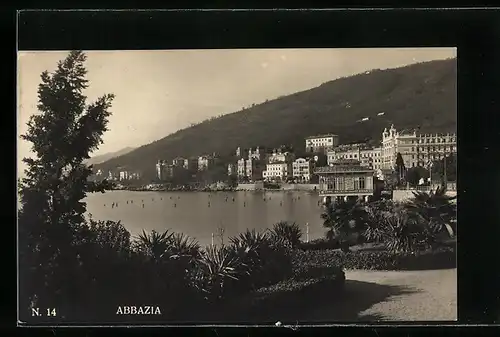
420 95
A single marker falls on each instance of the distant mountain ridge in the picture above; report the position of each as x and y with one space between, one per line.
107 156
357 108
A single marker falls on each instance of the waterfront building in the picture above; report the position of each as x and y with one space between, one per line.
232 169
277 171
416 149
343 179
191 164
241 167
123 175
178 162
254 168
302 169
206 161
321 143
161 169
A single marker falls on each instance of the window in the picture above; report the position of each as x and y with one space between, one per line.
361 183
412 149
412 156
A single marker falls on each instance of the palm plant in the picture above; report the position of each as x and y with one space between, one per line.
154 246
344 218
377 213
435 209
286 234
181 244
405 234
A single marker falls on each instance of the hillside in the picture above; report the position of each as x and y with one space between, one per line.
420 95
107 156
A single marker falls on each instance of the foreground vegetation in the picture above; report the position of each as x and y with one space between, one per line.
87 268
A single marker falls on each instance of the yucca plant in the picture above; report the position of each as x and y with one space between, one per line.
287 234
216 266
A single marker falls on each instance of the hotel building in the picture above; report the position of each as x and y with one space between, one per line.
368 156
321 143
416 149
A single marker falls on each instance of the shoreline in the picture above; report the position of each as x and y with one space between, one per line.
211 191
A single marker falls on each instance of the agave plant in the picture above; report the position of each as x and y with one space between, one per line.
287 234
154 245
435 209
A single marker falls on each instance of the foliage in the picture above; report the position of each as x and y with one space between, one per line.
343 218
434 208
319 244
288 120
288 234
215 268
414 174
439 258
265 260
63 134
182 244
451 168
154 245
400 167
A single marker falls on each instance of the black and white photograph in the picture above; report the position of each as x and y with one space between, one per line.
237 186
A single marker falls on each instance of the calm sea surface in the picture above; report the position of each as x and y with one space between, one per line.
199 214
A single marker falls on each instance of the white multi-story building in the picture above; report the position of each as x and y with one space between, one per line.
277 171
161 169
321 143
241 167
123 175
371 157
367 156
231 169
278 156
416 149
302 169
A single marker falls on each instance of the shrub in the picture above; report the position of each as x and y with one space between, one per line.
288 234
435 209
344 218
319 244
265 260
216 267
443 257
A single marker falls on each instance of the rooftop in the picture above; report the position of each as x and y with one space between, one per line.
343 169
322 136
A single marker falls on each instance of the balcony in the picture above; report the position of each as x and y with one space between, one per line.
357 192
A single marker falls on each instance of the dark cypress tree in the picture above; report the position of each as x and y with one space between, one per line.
63 133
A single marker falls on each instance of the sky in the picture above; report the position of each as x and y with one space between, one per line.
159 92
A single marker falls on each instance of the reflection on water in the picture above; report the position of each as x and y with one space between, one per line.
199 214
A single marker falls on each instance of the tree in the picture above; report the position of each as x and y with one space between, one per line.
343 218
63 134
438 168
400 167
